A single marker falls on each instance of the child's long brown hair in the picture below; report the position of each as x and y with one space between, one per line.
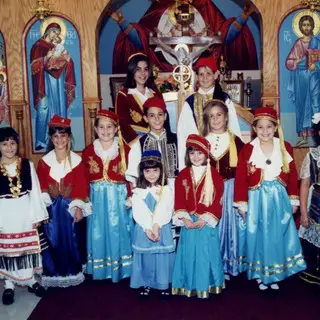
206 114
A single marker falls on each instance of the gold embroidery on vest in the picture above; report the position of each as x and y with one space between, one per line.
94 167
136 116
186 187
199 103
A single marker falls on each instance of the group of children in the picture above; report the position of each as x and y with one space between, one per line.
233 202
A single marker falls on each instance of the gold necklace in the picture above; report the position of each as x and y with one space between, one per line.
14 189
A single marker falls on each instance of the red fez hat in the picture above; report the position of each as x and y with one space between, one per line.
198 142
155 102
266 113
107 114
57 121
209 62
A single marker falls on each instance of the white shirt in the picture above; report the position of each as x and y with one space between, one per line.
258 159
219 143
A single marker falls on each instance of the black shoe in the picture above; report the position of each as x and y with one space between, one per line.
145 293
37 289
165 295
8 296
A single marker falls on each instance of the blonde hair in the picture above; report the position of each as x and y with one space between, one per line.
206 114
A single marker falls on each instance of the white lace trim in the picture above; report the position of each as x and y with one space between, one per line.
258 159
311 234
62 282
305 167
108 154
177 218
60 170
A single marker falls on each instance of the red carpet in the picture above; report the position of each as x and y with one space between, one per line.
240 300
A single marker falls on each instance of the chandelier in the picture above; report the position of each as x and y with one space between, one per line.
41 9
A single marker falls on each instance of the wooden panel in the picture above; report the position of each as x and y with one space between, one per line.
85 14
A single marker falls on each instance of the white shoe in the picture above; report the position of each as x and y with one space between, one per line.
275 286
262 287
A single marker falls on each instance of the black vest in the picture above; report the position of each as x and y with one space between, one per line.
169 154
25 178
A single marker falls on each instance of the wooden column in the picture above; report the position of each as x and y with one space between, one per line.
17 108
91 106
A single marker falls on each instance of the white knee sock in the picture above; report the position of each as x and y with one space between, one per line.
8 284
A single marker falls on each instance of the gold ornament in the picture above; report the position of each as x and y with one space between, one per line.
136 116
41 10
14 189
313 4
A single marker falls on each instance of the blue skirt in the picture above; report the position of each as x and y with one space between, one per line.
228 231
109 231
198 268
152 261
269 247
63 258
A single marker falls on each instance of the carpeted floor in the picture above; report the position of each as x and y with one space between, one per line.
240 300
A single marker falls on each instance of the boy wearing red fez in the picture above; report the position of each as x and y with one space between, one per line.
158 138
191 116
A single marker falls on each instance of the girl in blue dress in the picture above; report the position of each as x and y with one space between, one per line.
198 269
153 247
266 194
110 226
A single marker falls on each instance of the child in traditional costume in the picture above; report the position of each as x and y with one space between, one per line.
198 269
110 225
158 138
191 116
153 247
65 190
21 211
225 147
266 194
137 89
309 231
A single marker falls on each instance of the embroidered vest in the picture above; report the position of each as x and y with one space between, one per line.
314 171
169 153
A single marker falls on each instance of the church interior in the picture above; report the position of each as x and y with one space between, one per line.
253 42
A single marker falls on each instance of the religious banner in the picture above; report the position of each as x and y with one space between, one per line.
54 78
4 105
299 71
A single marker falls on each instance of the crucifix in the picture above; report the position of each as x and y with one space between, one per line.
182 73
185 48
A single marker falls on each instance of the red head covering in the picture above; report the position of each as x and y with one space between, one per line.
155 102
52 26
266 113
202 144
107 114
209 62
198 142
57 121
